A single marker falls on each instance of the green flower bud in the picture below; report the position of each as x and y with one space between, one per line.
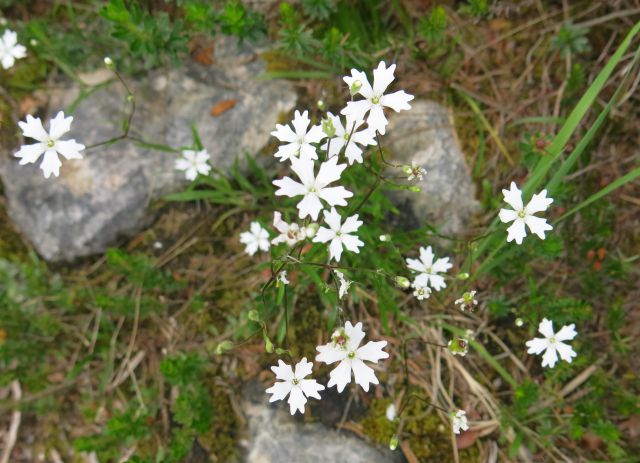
254 316
385 238
312 229
519 322
407 170
393 443
108 62
321 105
402 282
328 128
463 276
415 189
355 87
268 345
223 347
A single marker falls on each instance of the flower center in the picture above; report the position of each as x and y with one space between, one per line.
51 143
522 214
351 355
552 340
312 189
375 100
295 381
346 136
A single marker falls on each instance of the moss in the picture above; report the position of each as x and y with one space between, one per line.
428 438
222 441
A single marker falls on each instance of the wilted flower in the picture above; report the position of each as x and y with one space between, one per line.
467 301
422 292
290 233
414 171
282 278
458 346
345 284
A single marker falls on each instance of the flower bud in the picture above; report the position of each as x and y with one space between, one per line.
407 170
321 105
519 322
385 238
254 316
415 189
355 87
312 229
223 347
393 443
462 276
402 282
328 128
108 62
268 345
33 42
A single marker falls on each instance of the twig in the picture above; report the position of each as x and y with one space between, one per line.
16 418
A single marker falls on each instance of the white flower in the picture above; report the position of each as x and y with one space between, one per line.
344 284
256 238
194 163
375 99
49 143
391 412
314 188
338 234
467 301
298 142
290 233
422 292
349 133
282 277
428 269
552 343
522 216
414 171
294 385
10 49
459 421
344 348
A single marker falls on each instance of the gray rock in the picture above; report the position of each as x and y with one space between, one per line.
276 436
105 195
426 135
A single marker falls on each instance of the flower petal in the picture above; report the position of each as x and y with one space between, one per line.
507 215
69 149
287 151
311 388
546 328
426 256
333 219
279 390
397 100
539 202
50 164
516 231
566 333
323 235
30 153
289 187
537 345
330 171
356 109
310 205
297 400
59 125
335 249
335 196
329 354
382 77
363 374
351 224
352 243
566 351
372 351
340 376
537 225
303 368
550 357
285 134
355 334
283 371
33 129
513 197
376 120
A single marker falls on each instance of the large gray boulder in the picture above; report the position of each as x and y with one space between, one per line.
426 135
105 195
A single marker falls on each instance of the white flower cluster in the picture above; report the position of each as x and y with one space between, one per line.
344 348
